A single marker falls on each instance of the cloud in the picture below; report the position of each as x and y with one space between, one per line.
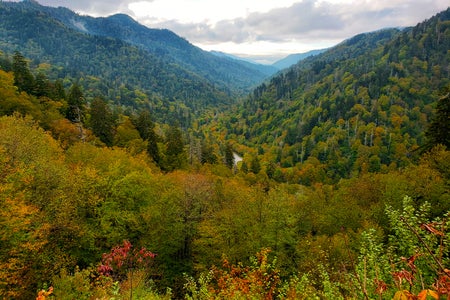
94 7
255 27
305 20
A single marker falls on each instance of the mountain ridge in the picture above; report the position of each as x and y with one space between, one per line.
294 58
362 105
236 77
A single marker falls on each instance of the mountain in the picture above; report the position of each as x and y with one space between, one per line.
117 56
363 105
267 70
235 75
293 59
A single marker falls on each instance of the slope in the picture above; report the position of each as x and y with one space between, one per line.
363 105
233 76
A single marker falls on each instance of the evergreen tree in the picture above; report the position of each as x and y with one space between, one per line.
102 121
57 91
175 154
207 155
75 103
23 78
229 157
144 124
41 86
439 130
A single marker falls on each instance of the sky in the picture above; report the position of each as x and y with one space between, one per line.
263 30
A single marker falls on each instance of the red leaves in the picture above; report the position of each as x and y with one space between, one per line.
381 286
124 257
442 285
431 228
410 262
260 279
403 275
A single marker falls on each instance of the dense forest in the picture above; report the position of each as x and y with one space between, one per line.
342 193
135 67
364 105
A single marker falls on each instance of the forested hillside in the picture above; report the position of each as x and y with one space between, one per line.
343 191
135 66
363 106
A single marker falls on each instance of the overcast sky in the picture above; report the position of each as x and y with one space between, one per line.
264 29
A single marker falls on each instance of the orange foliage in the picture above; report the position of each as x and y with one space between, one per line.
43 294
261 279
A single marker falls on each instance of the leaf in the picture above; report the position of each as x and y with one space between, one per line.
430 228
423 294
403 295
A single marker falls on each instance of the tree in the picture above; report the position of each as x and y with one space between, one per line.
255 165
23 78
75 103
175 154
41 86
57 91
229 157
144 124
438 132
102 121
207 153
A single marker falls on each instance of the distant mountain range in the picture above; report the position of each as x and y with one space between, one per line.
293 59
281 64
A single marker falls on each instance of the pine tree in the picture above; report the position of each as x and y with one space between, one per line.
23 78
229 157
75 103
439 130
175 154
144 124
102 121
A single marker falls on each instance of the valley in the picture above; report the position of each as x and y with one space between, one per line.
134 165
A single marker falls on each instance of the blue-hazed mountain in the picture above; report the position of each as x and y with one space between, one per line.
268 70
117 56
293 59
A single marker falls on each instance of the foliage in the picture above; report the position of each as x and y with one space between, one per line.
181 80
362 106
124 258
321 190
260 281
440 125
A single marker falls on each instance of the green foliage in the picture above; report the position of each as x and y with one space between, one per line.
322 190
181 80
440 126
144 124
363 106
75 104
102 121
23 78
175 155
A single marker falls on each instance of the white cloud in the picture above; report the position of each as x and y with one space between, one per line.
202 10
